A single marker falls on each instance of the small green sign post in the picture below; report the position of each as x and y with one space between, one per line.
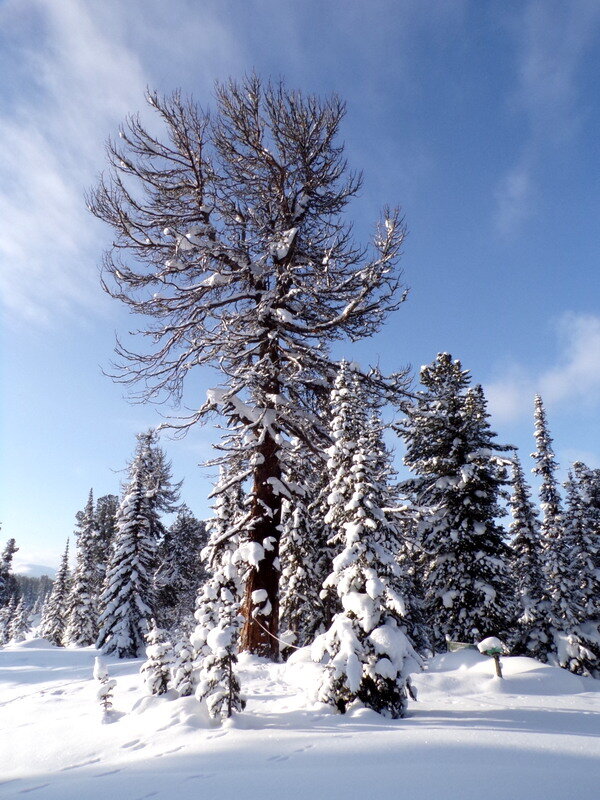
494 648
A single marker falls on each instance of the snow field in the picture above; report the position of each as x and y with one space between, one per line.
534 735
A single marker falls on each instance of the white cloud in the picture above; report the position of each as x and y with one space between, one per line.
78 69
574 377
51 146
552 39
514 198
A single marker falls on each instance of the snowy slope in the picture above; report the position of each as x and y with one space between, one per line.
535 735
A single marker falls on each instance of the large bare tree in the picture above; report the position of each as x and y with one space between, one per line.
228 237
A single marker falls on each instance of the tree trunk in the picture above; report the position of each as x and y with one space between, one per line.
259 629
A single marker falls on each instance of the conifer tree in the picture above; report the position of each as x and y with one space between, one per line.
19 624
107 685
239 256
413 619
581 536
218 683
534 635
224 532
460 479
302 611
181 571
7 616
369 655
156 670
56 608
182 671
127 601
6 578
106 524
162 494
216 636
564 613
82 622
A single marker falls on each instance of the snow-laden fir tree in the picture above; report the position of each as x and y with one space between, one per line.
413 619
367 653
156 670
216 636
106 524
237 252
107 685
127 602
546 468
19 624
348 423
7 615
581 535
82 622
533 636
564 614
181 570
182 669
469 592
7 584
302 612
56 608
162 494
218 683
224 530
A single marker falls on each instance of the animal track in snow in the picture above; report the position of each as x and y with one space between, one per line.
81 764
108 772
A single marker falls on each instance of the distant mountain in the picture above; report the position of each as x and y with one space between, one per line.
33 570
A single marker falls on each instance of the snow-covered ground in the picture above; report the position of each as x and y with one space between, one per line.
534 735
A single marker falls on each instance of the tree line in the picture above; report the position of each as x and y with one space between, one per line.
230 242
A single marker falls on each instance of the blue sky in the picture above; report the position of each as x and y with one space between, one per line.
480 119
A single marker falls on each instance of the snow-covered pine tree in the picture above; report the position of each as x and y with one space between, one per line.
216 636
7 615
534 635
181 570
369 656
302 612
56 608
469 592
127 601
106 526
82 622
238 254
107 685
413 619
162 494
581 535
7 586
348 422
156 670
218 683
19 624
182 670
564 614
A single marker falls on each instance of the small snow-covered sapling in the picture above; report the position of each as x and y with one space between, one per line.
492 646
107 685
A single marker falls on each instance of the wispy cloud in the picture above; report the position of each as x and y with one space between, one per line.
77 70
552 40
514 198
51 139
574 377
